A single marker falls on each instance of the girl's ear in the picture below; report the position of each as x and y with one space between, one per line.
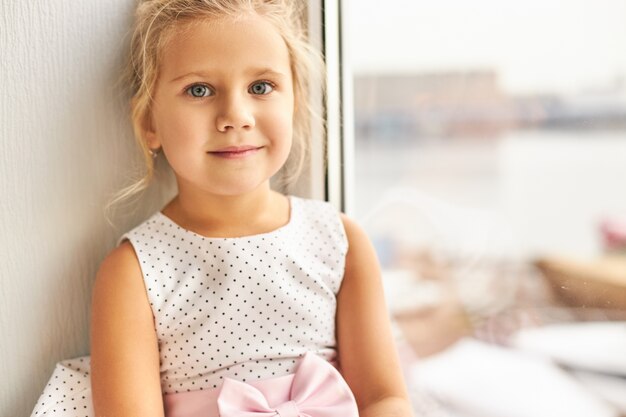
150 135
146 126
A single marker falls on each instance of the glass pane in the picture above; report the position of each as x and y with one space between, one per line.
490 158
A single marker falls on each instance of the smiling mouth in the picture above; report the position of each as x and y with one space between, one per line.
233 152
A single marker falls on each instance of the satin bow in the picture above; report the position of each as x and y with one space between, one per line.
317 390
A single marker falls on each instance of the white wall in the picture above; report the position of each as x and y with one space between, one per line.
65 145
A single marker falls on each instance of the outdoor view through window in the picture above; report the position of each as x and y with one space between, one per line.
490 173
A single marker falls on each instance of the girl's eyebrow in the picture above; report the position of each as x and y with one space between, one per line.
254 72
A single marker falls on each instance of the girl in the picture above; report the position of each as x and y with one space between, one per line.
233 300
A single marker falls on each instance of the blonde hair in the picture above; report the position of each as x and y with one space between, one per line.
156 21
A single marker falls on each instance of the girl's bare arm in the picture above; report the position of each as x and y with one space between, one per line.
124 352
367 352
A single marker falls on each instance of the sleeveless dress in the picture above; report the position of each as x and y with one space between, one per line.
248 310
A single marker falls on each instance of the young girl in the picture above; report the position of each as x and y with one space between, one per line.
233 300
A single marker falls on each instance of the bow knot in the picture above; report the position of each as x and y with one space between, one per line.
317 390
288 409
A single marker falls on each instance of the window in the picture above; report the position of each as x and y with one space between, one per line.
489 168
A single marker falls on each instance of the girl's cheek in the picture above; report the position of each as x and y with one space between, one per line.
186 123
281 125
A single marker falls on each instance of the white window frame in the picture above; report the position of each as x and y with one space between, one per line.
331 181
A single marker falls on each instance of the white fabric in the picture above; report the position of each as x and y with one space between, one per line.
247 307
489 381
593 346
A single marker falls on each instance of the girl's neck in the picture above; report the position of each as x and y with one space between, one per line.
260 211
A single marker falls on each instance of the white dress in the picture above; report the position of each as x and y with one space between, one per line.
245 308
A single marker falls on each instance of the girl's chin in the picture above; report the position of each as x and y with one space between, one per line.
239 189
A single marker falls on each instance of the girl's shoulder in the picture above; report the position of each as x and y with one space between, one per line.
315 210
313 206
321 216
144 228
346 228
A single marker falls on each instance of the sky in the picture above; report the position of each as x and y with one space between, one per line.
535 45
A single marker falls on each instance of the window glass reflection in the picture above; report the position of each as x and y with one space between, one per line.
490 157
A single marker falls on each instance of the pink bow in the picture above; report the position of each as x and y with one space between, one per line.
317 390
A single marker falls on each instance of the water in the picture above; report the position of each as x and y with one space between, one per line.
549 189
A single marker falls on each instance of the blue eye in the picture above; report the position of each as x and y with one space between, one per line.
199 90
261 87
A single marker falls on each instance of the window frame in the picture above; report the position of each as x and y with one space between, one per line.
329 176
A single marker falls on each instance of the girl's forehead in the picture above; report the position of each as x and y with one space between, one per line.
224 46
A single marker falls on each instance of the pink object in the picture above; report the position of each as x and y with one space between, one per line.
316 389
232 152
614 233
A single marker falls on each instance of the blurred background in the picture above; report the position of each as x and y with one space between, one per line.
490 168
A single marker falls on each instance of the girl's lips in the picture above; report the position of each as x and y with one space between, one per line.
232 152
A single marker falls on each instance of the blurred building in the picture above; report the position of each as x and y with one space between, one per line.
471 104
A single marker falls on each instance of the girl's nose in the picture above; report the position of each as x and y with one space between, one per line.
234 113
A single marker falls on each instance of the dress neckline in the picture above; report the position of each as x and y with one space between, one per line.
292 217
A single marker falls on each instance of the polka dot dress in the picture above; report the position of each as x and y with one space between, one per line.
246 308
